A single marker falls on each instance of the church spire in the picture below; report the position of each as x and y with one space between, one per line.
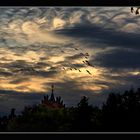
52 94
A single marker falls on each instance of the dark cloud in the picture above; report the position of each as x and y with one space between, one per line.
88 32
12 99
74 57
47 73
21 67
4 59
5 73
124 78
19 80
40 65
118 59
17 64
79 65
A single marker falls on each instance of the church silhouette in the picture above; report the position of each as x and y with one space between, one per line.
52 102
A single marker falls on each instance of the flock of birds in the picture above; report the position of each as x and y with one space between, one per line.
86 62
137 10
86 55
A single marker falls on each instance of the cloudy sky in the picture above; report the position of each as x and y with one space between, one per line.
82 51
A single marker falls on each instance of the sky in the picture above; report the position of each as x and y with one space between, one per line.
83 51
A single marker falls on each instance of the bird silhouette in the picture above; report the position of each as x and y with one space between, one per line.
86 54
132 9
81 54
137 11
88 63
76 48
84 62
62 51
79 70
88 72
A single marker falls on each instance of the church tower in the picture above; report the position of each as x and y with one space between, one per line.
52 99
51 102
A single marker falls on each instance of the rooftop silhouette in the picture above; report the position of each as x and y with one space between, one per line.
52 102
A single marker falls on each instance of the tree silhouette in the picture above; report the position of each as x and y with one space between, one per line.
120 112
12 115
83 114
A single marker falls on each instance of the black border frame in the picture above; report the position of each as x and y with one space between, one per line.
69 2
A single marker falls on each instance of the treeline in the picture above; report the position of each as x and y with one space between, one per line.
120 112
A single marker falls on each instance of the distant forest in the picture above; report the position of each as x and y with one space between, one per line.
120 112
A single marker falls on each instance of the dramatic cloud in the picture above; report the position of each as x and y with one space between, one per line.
87 51
119 58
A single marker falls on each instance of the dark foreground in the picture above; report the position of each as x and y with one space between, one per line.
121 112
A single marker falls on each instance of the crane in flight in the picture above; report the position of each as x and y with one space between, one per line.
132 9
76 48
79 70
137 10
88 72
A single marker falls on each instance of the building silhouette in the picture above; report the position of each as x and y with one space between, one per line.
52 102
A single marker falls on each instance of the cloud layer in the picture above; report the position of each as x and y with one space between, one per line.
41 46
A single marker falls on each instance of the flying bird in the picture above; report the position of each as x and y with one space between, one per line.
84 62
79 70
137 11
76 48
88 72
132 9
81 54
62 51
88 63
86 54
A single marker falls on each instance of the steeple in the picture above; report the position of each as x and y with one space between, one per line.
52 99
51 102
